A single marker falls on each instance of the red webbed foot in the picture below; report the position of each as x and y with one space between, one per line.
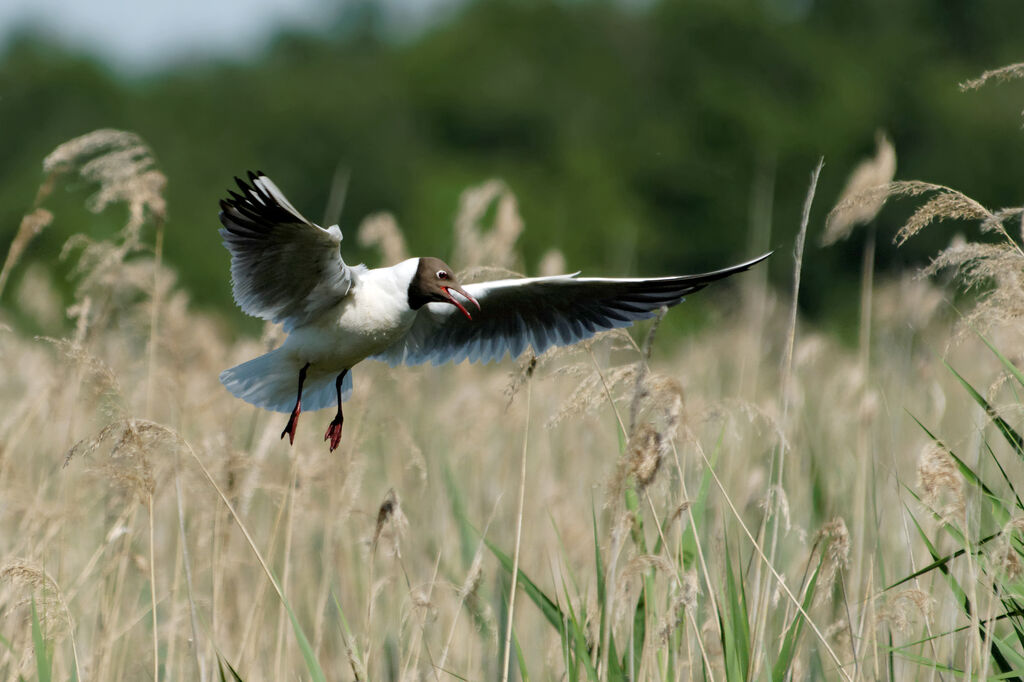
293 423
334 432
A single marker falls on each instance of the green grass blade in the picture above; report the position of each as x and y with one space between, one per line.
733 624
784 663
467 534
598 567
547 606
1012 656
615 672
520 659
942 561
633 505
958 592
224 677
350 642
579 638
738 618
688 544
1011 435
1000 511
1013 613
965 603
1006 477
567 565
1006 362
312 665
44 661
631 658
732 670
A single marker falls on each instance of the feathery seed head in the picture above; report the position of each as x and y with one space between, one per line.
497 246
124 168
381 230
870 174
903 609
391 525
940 482
833 540
1003 73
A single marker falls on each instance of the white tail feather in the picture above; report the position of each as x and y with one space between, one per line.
271 381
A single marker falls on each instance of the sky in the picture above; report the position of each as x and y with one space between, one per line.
136 36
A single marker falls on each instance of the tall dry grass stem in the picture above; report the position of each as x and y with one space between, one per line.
152 589
186 558
519 536
701 559
786 380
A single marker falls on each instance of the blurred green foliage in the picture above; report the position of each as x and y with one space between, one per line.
633 136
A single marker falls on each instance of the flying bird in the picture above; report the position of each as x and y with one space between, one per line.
287 269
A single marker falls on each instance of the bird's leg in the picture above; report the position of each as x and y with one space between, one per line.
293 421
334 429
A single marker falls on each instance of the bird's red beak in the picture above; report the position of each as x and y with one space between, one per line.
455 302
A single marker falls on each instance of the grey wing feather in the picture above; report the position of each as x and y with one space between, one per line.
540 312
284 268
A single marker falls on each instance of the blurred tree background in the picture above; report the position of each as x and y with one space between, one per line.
637 138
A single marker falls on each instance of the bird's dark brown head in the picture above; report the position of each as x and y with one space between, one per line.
435 281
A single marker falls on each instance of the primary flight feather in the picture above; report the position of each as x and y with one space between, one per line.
287 269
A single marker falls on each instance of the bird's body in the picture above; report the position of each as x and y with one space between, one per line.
287 269
371 318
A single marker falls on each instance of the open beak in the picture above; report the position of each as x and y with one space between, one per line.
455 302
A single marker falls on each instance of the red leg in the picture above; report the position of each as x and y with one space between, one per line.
334 429
293 421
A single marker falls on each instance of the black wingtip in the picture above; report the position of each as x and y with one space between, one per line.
254 205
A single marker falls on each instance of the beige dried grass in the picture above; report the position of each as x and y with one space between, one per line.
494 247
552 263
941 484
123 166
592 393
995 269
833 541
65 516
381 230
31 225
904 609
1000 75
391 525
870 174
129 445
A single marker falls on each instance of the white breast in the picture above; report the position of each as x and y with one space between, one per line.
373 316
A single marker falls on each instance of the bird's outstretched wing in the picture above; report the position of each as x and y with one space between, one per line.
540 312
284 268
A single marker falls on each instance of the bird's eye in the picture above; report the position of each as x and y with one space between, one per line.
442 274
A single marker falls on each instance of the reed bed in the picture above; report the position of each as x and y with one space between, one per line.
756 500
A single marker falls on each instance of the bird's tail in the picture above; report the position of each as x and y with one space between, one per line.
272 380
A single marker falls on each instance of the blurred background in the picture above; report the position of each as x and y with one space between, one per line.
640 137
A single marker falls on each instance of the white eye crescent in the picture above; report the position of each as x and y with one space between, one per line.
442 274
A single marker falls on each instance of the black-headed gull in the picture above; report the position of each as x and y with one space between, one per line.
287 269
